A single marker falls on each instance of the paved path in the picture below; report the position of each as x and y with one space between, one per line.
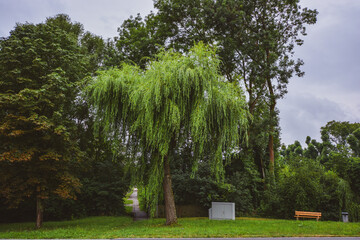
138 214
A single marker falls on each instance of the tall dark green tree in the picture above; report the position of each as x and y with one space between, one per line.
354 142
341 135
256 41
176 99
40 70
139 39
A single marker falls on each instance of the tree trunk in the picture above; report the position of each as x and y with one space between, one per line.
271 139
39 212
170 210
272 114
262 168
271 153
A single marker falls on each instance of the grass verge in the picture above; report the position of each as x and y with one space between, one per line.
128 201
124 227
127 196
128 209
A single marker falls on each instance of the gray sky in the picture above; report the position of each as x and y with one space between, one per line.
331 86
328 91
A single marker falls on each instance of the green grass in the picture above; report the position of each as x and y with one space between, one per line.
129 193
124 227
127 201
128 209
127 196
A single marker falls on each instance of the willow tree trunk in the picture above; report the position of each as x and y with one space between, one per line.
170 210
39 212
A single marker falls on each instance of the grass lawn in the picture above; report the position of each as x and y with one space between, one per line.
128 201
124 227
127 196
128 209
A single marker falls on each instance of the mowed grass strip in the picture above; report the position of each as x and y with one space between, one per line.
128 201
128 209
124 227
127 196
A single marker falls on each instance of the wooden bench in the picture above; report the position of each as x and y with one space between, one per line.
299 214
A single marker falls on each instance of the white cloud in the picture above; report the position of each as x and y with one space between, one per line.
99 17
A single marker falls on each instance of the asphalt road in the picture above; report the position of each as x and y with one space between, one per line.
283 238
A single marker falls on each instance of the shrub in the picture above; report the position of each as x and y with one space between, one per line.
240 186
103 188
354 212
305 185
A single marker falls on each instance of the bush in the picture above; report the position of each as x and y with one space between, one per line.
354 175
246 182
305 185
354 212
141 194
199 191
240 187
103 188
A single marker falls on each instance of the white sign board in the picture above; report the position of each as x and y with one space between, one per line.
222 211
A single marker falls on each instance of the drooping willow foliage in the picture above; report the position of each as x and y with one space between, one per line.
178 98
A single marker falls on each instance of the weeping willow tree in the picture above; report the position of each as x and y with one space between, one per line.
178 98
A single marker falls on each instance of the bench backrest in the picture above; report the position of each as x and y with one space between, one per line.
300 213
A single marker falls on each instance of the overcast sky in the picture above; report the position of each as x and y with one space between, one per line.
328 91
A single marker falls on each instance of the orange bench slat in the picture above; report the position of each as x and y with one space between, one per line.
302 214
